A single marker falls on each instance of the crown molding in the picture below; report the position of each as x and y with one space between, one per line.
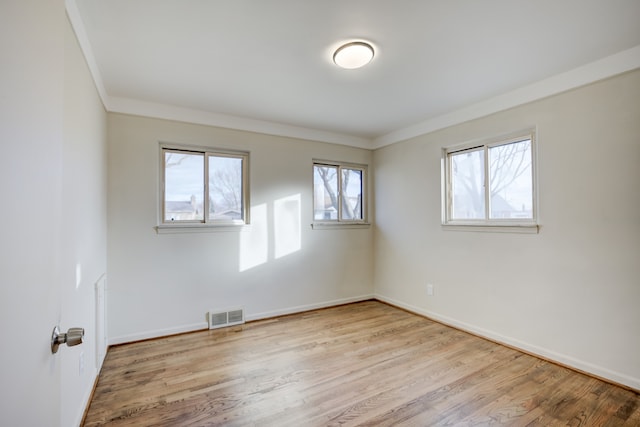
610 66
188 115
81 35
171 112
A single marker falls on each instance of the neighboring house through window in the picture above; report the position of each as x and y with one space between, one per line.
204 186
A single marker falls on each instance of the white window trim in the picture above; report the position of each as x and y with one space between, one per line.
192 227
341 223
206 225
506 225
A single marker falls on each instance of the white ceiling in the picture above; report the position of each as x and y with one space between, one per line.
266 65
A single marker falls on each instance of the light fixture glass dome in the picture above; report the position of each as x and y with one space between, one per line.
353 55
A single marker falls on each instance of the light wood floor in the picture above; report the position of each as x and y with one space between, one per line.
359 364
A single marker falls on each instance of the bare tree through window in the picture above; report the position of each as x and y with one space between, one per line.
225 187
338 192
507 168
184 186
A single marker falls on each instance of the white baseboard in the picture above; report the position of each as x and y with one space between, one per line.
86 399
307 307
544 353
157 333
562 359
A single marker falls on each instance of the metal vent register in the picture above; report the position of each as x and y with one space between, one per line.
220 319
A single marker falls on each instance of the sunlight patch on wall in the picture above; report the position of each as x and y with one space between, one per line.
254 245
286 225
78 275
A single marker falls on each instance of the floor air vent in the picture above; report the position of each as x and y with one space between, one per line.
220 319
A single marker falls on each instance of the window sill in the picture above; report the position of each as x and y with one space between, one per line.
198 228
494 228
339 225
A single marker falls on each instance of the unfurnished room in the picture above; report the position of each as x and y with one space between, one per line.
320 213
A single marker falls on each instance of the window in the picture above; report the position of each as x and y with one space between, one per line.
491 183
339 192
203 186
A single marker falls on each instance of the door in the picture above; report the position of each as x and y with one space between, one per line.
31 52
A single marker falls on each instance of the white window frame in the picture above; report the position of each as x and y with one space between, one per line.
165 225
340 222
516 225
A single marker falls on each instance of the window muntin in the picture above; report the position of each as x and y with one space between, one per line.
490 183
339 193
204 186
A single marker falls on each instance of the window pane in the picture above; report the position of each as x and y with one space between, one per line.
325 192
351 194
183 186
511 180
225 188
467 185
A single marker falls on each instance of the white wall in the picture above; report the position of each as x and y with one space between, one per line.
166 283
571 292
83 247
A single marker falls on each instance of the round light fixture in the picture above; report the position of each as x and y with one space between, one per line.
353 55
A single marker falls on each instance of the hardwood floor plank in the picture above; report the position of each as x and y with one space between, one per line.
359 364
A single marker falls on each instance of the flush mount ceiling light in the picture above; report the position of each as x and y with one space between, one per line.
353 55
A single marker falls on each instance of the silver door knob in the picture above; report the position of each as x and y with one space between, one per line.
74 336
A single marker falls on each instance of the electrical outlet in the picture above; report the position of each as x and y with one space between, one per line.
429 289
81 363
